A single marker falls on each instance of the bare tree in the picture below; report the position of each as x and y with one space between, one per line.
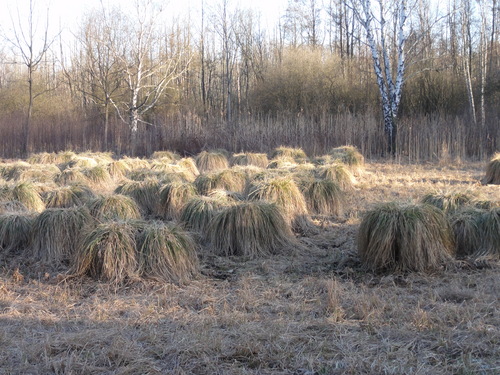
32 44
146 70
389 60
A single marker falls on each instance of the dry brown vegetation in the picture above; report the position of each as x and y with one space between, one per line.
310 310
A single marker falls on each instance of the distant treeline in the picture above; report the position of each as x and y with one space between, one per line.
222 81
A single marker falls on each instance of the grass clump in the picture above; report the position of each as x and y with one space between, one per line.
449 201
297 154
97 175
27 194
43 158
145 193
108 252
285 193
250 158
189 165
167 252
173 197
114 207
339 173
348 155
70 176
467 231
68 196
56 233
250 229
282 162
405 237
7 206
118 169
167 155
211 161
228 179
15 231
324 197
490 226
136 163
199 211
493 171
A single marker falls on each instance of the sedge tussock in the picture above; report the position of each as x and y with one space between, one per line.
9 206
70 176
297 154
339 173
493 171
27 193
250 229
324 197
199 211
114 207
97 175
15 231
167 252
142 174
173 197
118 169
467 231
449 200
172 172
405 237
226 195
166 155
490 226
282 162
68 196
79 162
108 252
136 163
9 171
145 193
189 164
56 233
250 158
64 156
348 155
227 179
32 173
43 158
211 161
285 193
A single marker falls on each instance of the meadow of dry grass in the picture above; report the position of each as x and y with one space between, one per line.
313 312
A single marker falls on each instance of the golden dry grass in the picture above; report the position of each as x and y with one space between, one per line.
313 312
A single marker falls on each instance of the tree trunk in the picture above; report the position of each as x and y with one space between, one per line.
134 121
27 123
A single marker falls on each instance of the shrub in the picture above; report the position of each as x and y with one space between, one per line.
404 237
284 192
250 229
167 252
108 252
324 197
173 197
15 231
114 207
211 161
56 233
493 171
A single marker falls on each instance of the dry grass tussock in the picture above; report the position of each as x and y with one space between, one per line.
211 161
493 171
15 232
167 252
250 229
310 312
405 237
227 179
173 198
113 207
68 196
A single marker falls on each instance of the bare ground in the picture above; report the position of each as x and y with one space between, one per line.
313 311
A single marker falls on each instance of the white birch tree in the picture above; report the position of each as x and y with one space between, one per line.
389 59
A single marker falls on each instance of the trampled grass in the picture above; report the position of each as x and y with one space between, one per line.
300 312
